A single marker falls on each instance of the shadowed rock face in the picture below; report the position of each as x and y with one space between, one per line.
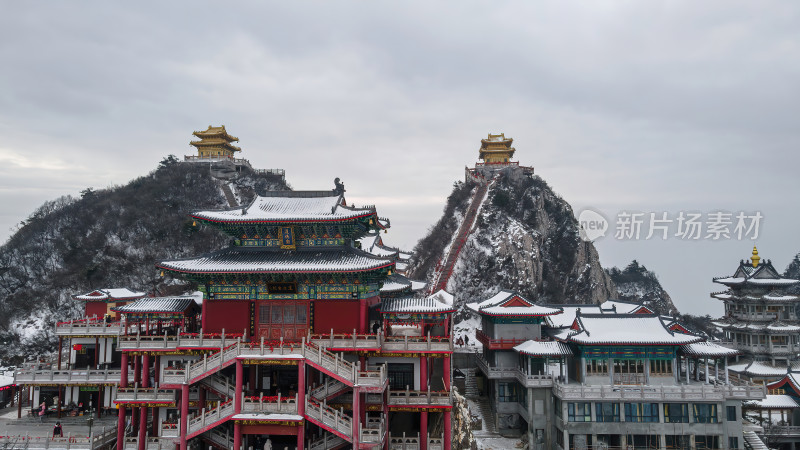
104 239
637 284
525 238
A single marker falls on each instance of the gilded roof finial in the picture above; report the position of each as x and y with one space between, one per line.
755 258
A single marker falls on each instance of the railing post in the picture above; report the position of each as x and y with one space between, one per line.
303 346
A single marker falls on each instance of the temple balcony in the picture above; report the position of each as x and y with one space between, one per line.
153 443
422 399
436 344
134 395
497 344
89 327
379 342
527 380
347 341
403 442
184 341
45 374
682 392
101 438
777 432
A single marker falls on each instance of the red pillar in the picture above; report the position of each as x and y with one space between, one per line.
237 436
301 402
142 428
184 415
121 428
137 369
237 400
123 379
356 415
145 371
423 430
134 418
362 316
446 373
447 444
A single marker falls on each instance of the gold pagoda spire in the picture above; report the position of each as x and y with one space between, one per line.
755 258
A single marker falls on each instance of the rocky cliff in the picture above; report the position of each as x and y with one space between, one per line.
636 283
525 238
104 239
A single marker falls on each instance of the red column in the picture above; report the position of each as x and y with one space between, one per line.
237 436
301 402
123 379
356 415
447 444
142 428
301 437
423 430
121 428
145 371
237 400
184 415
362 316
446 373
137 369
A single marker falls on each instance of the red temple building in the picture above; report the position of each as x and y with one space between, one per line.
292 342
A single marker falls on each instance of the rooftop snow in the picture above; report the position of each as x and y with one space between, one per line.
543 348
509 303
295 208
110 294
708 349
255 260
157 305
414 305
644 329
773 402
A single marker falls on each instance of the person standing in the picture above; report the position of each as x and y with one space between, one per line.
42 411
57 430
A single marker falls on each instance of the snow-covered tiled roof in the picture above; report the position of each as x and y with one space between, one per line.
773 402
157 305
756 281
112 294
776 326
790 380
284 207
397 283
623 307
770 297
762 368
6 380
567 318
609 329
708 349
256 260
371 243
509 303
407 305
543 348
764 274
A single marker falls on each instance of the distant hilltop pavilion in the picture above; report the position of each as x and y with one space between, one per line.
496 153
216 148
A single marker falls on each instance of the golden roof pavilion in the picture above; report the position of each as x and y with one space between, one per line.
215 142
496 149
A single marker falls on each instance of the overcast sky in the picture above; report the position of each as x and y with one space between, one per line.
640 106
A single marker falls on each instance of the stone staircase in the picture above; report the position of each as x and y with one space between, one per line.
752 441
470 383
220 385
488 416
327 442
328 390
443 271
229 195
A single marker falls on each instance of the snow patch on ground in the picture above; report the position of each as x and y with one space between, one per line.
465 330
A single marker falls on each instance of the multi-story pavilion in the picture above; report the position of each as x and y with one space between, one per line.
760 321
293 342
610 379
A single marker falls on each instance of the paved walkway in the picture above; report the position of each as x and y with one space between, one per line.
11 426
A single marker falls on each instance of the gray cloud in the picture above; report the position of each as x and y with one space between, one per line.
620 105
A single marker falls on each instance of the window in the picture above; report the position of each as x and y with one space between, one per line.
263 314
559 437
733 442
558 408
597 367
705 413
641 412
679 442
701 442
401 375
730 412
606 412
628 366
288 313
301 314
506 392
660 367
579 412
276 315
676 413
643 440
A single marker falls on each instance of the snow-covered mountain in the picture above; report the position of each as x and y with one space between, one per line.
636 283
104 239
525 238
